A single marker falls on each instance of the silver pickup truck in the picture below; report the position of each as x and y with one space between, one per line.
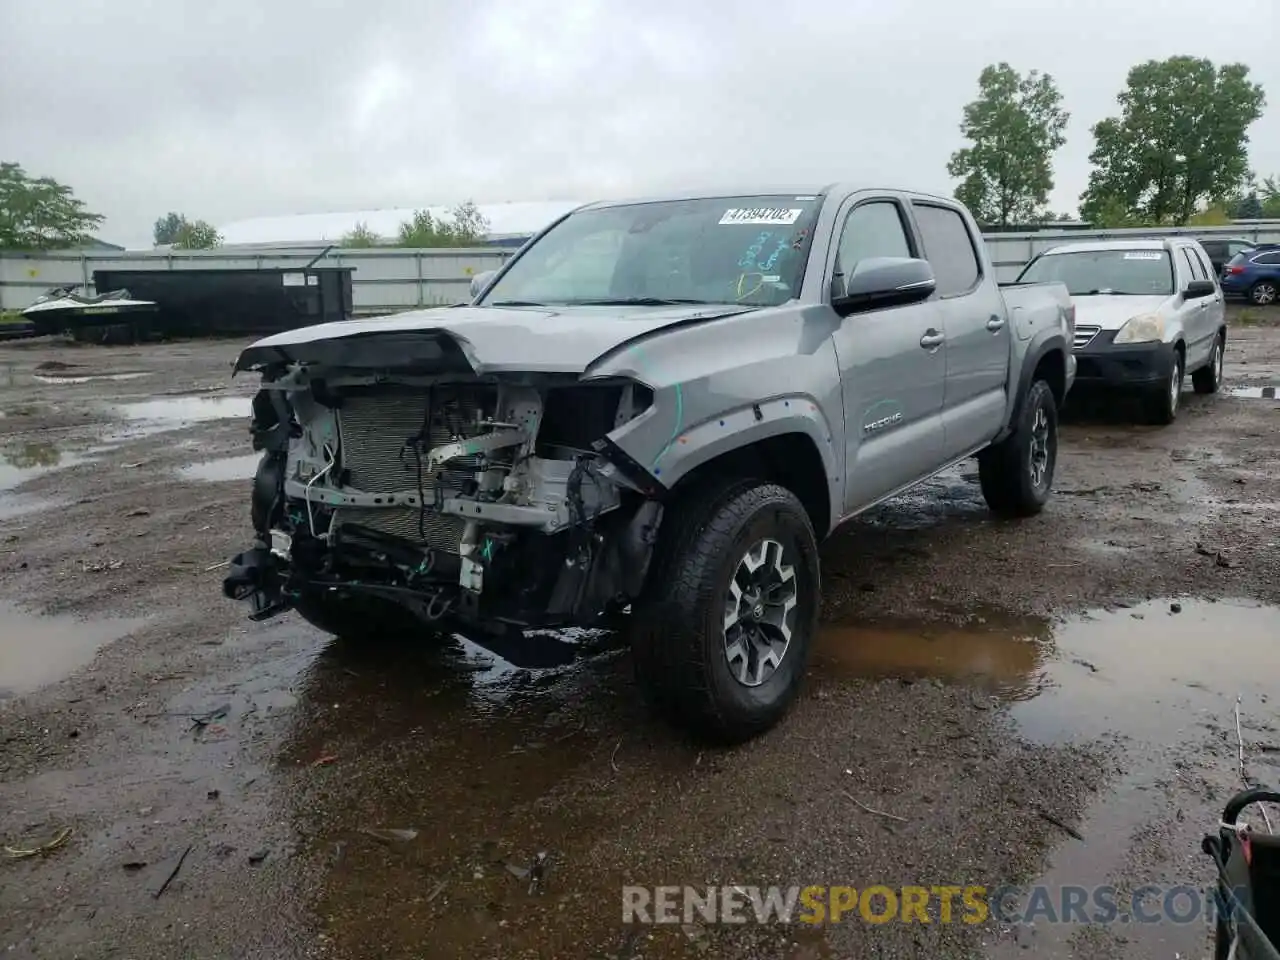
651 415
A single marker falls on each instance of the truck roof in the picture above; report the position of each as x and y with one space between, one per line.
763 190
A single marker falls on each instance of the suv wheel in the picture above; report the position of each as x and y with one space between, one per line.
1263 293
1162 403
1016 474
1209 377
723 634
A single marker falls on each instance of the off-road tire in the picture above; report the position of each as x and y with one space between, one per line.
363 619
1209 377
1161 404
678 641
1005 468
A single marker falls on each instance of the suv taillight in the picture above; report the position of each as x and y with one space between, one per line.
1235 268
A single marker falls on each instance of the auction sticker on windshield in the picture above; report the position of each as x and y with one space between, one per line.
762 215
1144 255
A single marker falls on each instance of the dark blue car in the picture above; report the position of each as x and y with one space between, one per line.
1254 274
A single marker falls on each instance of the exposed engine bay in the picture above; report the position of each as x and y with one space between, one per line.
484 500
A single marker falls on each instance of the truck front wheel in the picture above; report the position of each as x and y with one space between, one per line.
1016 474
731 608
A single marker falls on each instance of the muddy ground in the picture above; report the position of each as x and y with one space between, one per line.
991 703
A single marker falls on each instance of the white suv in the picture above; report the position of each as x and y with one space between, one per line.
1147 313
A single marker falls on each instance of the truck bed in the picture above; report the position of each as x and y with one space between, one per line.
1033 306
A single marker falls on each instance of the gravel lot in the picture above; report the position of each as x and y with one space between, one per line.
976 682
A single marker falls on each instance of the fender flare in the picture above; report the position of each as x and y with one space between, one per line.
736 429
1042 344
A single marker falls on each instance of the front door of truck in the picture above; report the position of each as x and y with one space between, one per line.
977 328
892 364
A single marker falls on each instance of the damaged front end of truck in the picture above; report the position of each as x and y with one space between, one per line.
401 470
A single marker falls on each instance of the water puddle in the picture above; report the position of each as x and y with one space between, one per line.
1158 682
145 418
19 462
227 468
1261 392
1008 658
1151 674
35 650
1161 686
1145 671
60 379
180 411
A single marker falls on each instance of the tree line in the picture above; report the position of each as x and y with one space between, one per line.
1175 153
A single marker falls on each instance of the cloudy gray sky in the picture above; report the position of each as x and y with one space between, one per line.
241 108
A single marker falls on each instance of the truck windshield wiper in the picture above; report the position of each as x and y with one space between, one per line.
517 303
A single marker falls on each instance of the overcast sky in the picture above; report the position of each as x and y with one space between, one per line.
239 108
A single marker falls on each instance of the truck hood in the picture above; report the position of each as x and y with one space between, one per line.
1110 312
481 340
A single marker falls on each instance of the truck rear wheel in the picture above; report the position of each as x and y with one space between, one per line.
724 631
1016 474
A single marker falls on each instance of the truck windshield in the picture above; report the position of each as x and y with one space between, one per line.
748 250
1095 272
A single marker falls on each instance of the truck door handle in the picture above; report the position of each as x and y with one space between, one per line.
932 339
995 324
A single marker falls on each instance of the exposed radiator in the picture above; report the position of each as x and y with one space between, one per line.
374 433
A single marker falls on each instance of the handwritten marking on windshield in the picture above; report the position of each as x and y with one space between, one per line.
748 259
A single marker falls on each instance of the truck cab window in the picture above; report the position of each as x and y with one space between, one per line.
949 249
871 230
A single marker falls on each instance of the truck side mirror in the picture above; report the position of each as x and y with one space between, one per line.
883 282
1197 289
480 281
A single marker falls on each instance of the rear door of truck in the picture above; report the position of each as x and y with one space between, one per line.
974 322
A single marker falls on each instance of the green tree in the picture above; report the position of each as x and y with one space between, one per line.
176 229
1214 215
466 227
1181 139
1248 207
1270 191
41 213
1013 127
1109 213
360 236
167 228
197 235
